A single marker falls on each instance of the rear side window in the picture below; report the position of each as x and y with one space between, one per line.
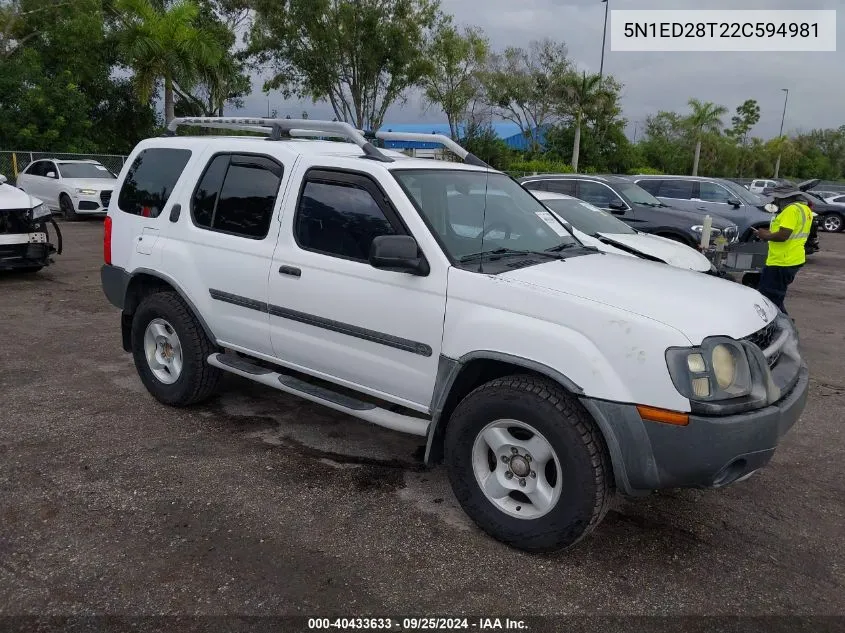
676 189
237 195
652 186
150 181
340 219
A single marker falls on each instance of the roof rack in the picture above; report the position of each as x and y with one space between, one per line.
467 157
283 128
278 129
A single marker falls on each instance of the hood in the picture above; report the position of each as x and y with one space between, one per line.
671 252
691 218
696 305
100 184
13 198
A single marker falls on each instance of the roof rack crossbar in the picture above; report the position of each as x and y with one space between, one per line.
467 157
282 128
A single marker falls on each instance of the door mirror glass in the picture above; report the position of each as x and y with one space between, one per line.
398 253
735 203
3 179
616 205
51 174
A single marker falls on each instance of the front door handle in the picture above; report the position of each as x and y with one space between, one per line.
290 270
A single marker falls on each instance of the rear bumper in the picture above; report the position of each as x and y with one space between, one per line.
115 281
710 452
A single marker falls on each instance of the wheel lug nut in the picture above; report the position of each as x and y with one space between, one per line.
522 483
533 475
506 459
514 450
509 475
528 457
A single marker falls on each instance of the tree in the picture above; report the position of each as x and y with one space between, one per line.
359 55
706 117
165 45
582 95
746 117
524 86
452 81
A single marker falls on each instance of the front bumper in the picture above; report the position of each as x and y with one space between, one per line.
85 204
25 250
711 451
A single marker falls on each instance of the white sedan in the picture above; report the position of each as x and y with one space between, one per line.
74 187
598 228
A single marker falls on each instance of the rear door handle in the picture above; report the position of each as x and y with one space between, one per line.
290 270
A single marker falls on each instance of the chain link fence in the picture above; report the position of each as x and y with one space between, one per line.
14 162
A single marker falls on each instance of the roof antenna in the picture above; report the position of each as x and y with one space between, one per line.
483 224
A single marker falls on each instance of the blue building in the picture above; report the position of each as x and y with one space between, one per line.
505 130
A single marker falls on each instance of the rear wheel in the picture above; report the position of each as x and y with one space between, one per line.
66 205
832 222
170 349
527 463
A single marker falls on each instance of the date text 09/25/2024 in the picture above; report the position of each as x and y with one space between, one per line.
416 624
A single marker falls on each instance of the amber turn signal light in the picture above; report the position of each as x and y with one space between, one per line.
653 414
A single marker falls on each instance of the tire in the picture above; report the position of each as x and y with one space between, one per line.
30 270
584 475
832 222
197 380
66 205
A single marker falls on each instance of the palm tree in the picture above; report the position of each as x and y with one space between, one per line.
583 94
164 45
706 117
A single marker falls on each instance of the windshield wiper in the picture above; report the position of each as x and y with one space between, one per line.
562 247
506 252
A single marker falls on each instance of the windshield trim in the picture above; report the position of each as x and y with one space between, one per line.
455 261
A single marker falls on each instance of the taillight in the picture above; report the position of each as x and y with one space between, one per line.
107 240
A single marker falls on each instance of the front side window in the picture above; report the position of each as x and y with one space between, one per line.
637 195
340 219
597 194
237 195
150 181
566 187
711 192
475 212
587 218
37 168
839 199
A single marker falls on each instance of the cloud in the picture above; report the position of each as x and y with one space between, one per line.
653 81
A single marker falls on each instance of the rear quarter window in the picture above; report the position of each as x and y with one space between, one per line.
150 181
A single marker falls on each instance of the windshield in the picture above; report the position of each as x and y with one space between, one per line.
742 193
638 195
587 218
473 212
84 170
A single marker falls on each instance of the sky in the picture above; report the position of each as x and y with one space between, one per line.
652 81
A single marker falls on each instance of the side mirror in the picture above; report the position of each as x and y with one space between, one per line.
3 179
735 203
51 174
617 207
398 253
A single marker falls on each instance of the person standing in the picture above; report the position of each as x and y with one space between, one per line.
787 234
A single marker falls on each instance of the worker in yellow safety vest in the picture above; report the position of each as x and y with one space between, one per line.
786 235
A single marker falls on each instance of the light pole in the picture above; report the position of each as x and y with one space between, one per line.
780 136
603 38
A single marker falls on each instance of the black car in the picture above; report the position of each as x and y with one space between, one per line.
831 216
633 205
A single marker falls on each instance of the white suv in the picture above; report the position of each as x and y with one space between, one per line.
548 374
74 187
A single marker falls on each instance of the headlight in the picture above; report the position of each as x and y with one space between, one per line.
698 228
87 192
717 370
40 211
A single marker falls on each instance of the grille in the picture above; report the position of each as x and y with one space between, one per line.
105 198
764 338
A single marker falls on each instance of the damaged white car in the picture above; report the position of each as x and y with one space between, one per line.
26 244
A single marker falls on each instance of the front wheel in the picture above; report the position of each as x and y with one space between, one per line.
527 463
832 222
170 349
66 205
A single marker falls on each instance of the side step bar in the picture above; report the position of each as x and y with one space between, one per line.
321 395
